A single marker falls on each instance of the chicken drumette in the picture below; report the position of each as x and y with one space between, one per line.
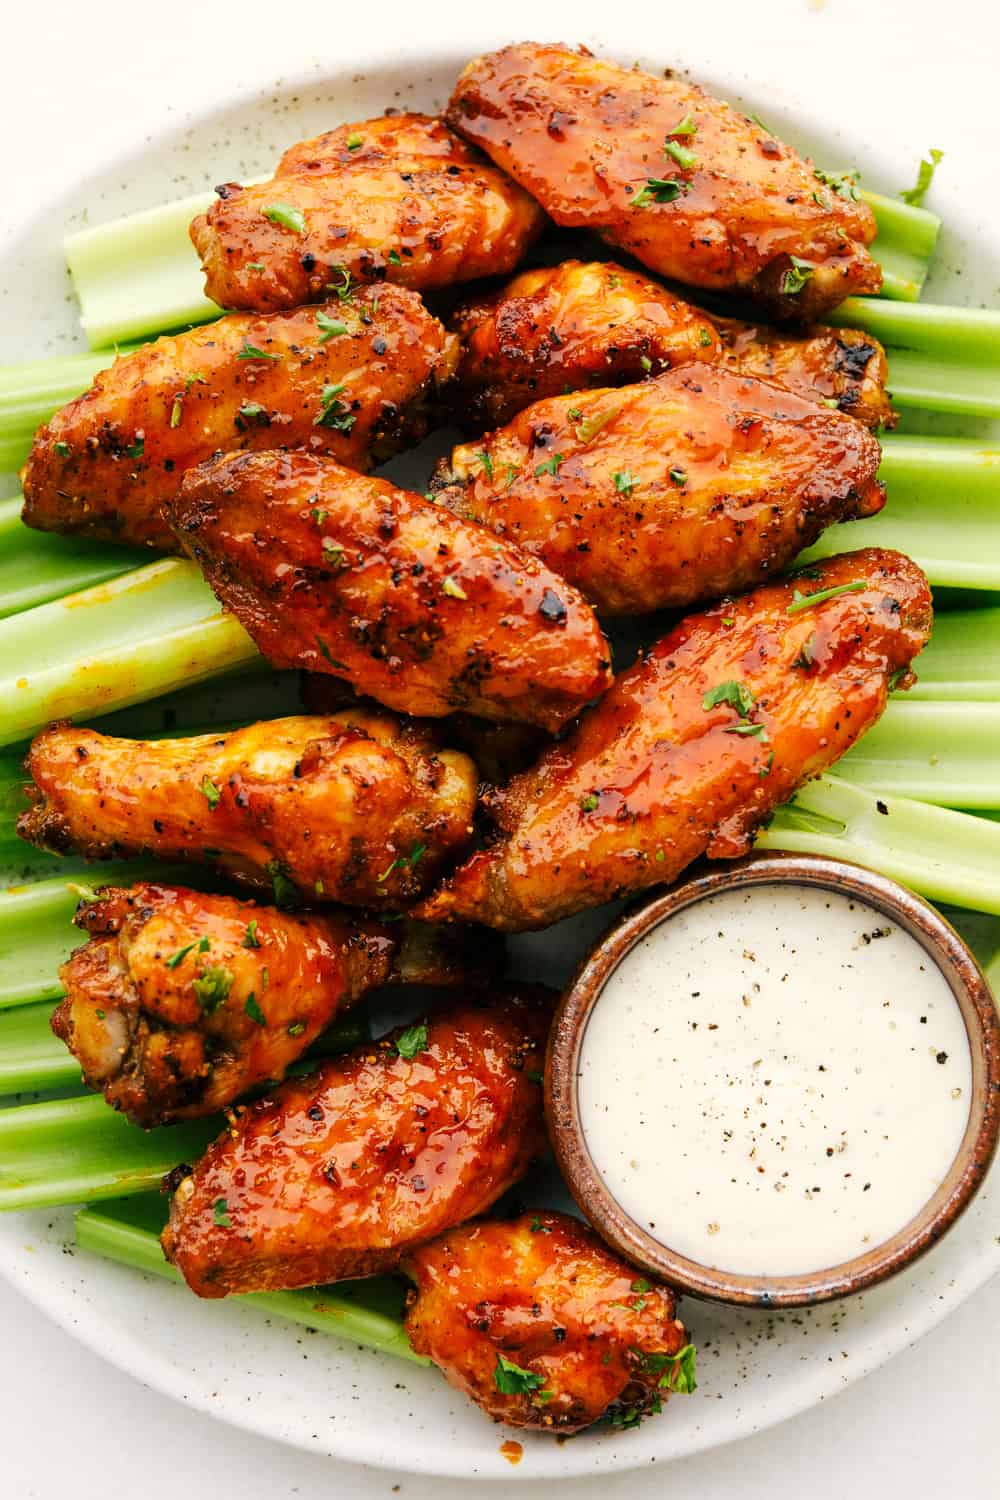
353 379
182 1001
696 744
341 1173
537 1323
661 495
400 198
578 325
356 807
415 607
685 183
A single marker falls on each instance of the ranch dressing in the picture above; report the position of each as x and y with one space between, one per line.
775 1080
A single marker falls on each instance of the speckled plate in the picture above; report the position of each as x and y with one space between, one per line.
308 1390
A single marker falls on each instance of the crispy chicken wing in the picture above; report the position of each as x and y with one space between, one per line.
696 744
339 1174
576 325
181 1001
415 607
659 495
399 198
353 379
355 807
684 182
540 1325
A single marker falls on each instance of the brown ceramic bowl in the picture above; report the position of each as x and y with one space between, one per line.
975 1001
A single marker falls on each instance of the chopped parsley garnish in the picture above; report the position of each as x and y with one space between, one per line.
590 803
678 476
486 463
537 1227
286 892
250 351
411 1041
62 449
806 653
353 142
512 472
795 278
806 601
844 184
625 481
645 362
328 655
212 987
250 938
676 1371
765 769
550 466
682 155
754 729
211 793
175 959
453 588
736 694
319 516
328 327
254 1011
342 287
296 1028
136 449
333 553
287 216
252 414
511 1380
394 258
255 265
925 176
642 1285
658 190
333 412
686 126
401 861
704 338
220 1214
195 377
591 426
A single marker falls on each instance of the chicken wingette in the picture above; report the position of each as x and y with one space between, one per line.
336 572
399 198
354 379
540 1325
181 1002
582 324
685 183
341 1173
657 496
356 807
698 742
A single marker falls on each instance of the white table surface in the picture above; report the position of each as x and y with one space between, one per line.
85 81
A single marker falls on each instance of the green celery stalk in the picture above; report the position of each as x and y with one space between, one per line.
940 358
942 509
945 753
962 660
904 245
947 856
30 393
366 1312
36 566
125 641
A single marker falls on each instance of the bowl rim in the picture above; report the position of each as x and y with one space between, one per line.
954 1193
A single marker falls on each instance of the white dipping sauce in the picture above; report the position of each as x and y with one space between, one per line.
775 1080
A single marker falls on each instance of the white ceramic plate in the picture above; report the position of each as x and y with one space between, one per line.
754 1369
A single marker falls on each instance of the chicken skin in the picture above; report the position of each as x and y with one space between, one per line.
181 1001
540 1325
341 1173
415 607
657 496
685 183
355 807
577 325
353 379
698 742
399 199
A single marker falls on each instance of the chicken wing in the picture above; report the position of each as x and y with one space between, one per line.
181 1001
685 183
660 495
540 1325
576 325
339 1174
698 742
398 198
415 607
353 379
355 807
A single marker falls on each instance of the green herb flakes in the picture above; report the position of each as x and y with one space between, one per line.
286 892
211 793
220 1214
329 328
625 481
550 465
795 278
252 414
453 588
736 694
253 1010
925 176
287 216
212 987
658 190
411 1041
176 959
512 1380
250 938
807 601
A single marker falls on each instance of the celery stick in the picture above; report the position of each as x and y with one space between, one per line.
943 507
36 566
30 393
904 245
962 659
930 382
947 856
970 335
125 641
945 753
366 1312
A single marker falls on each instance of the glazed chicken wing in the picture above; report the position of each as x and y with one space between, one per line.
540 1325
355 807
181 1001
577 325
685 183
398 198
415 607
660 495
341 1173
353 379
698 742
